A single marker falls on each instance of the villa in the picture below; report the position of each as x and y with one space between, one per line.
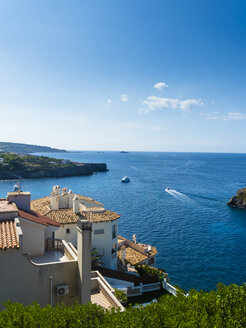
67 208
131 253
35 266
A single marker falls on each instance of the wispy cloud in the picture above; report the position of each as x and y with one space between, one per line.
109 101
124 98
235 116
160 85
231 116
153 103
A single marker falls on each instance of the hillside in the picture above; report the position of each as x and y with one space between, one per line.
26 148
13 166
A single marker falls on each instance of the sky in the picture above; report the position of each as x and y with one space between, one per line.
160 75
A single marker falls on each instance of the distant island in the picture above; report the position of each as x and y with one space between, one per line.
239 200
20 148
14 166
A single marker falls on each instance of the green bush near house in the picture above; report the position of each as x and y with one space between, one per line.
120 295
145 270
221 308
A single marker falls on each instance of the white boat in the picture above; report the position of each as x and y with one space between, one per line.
125 179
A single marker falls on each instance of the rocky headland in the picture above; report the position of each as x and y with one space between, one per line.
239 200
13 166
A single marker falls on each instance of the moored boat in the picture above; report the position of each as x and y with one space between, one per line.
125 179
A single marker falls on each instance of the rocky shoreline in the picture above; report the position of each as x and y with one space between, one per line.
239 200
75 170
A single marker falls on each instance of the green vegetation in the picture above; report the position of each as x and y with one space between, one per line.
146 297
25 148
222 308
15 162
120 295
144 270
13 166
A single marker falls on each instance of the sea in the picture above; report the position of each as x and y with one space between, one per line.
176 202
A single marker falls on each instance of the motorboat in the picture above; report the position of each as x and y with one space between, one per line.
125 179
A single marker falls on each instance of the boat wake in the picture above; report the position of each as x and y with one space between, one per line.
188 196
177 194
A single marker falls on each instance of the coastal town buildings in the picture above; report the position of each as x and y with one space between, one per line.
35 266
131 253
66 208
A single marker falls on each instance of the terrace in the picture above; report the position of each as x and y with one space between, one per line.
57 250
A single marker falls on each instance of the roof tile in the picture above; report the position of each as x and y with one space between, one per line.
8 235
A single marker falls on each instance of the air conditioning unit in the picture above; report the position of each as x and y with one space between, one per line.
62 290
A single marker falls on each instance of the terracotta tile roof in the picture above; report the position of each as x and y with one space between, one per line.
135 253
41 205
8 235
66 216
35 217
6 206
88 199
106 215
63 216
132 256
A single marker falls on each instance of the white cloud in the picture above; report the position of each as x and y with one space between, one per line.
124 98
235 116
152 103
160 85
109 101
231 116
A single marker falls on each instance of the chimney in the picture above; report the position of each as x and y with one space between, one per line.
56 190
70 199
123 252
84 228
76 204
54 202
21 199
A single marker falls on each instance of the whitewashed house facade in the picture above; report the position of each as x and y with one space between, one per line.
66 208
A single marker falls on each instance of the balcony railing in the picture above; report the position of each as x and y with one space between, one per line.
55 245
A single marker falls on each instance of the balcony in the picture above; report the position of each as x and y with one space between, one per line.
56 251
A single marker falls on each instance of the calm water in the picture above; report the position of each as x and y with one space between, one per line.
200 240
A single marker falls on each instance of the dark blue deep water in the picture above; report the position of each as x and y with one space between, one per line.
201 241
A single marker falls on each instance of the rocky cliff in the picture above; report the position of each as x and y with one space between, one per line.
13 166
239 200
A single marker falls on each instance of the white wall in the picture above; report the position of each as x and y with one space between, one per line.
33 237
24 282
99 241
105 242
68 237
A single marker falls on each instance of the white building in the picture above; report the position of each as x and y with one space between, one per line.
37 267
66 208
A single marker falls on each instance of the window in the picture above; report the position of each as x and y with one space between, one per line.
114 232
98 231
67 230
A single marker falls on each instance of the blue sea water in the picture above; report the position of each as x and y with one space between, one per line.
201 241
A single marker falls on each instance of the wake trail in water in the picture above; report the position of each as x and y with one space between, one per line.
204 197
188 196
177 194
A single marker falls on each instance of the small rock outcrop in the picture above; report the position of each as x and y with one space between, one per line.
239 200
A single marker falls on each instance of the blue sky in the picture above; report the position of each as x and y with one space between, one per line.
166 75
